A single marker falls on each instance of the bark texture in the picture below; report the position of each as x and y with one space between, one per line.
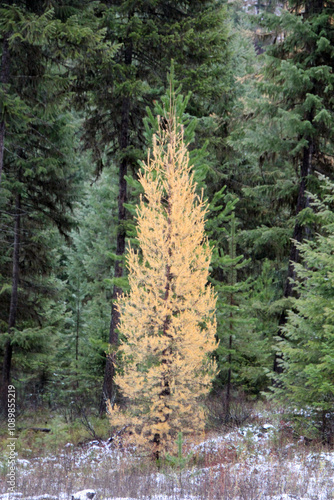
108 383
4 80
7 361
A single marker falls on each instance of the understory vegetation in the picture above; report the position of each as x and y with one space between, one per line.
264 452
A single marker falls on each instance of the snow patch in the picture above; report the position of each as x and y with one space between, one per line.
84 495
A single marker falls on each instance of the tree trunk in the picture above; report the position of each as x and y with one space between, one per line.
4 80
108 385
229 382
77 336
229 359
7 361
165 392
232 279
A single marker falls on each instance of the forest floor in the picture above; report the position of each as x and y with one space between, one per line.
261 458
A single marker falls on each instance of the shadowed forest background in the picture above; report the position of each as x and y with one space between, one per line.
82 84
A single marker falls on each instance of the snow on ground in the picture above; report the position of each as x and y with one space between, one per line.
13 496
248 451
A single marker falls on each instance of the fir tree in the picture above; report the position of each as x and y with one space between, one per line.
87 265
38 178
299 73
151 34
307 379
234 329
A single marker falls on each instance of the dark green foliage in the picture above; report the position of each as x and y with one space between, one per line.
307 379
242 353
87 266
300 70
284 139
81 75
39 180
151 34
41 183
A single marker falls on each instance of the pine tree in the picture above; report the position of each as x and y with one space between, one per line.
167 320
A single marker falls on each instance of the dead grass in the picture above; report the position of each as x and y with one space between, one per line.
263 459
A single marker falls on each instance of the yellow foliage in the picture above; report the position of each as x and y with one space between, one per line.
168 317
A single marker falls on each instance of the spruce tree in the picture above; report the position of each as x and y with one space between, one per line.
307 349
299 76
150 34
87 266
38 184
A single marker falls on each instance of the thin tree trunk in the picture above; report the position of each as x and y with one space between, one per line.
229 358
4 80
108 384
232 279
229 381
77 335
7 361
157 440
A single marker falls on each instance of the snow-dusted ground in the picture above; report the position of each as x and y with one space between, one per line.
251 462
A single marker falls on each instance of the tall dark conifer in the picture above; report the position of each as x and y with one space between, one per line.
151 34
38 179
307 349
300 113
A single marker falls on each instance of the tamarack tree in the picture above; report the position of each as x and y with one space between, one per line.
167 320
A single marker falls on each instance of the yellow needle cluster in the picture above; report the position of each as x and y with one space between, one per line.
168 317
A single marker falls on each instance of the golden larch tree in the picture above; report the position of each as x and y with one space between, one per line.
168 317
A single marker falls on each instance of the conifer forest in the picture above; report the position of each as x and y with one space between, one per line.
166 226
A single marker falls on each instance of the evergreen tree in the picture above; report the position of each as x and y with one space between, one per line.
307 379
285 136
32 205
151 34
299 73
87 266
38 170
167 319
234 328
